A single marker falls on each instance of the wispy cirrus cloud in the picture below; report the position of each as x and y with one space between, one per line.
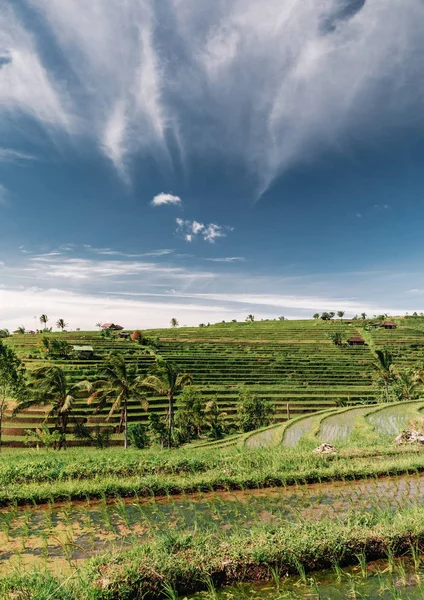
227 259
162 198
11 156
4 196
144 75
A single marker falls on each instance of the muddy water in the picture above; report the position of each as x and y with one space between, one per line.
379 580
340 426
60 535
392 420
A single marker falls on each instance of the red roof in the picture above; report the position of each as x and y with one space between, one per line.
356 339
390 323
111 326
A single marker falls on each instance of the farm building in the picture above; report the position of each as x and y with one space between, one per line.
124 335
389 325
356 341
112 326
85 351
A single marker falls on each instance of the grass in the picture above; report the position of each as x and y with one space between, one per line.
187 562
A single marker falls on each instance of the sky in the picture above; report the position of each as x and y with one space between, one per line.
209 160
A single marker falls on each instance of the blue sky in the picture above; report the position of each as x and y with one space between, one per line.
206 160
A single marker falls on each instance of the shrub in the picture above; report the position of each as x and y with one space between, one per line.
253 412
137 435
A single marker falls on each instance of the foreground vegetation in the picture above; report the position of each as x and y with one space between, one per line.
180 563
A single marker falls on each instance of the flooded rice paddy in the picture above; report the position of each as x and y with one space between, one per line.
397 579
60 535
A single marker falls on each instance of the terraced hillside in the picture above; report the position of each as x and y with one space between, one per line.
292 363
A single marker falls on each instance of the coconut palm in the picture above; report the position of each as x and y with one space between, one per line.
118 385
60 324
21 329
174 322
408 384
364 316
250 318
49 386
43 320
168 380
385 369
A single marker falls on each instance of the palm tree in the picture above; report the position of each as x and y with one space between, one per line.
364 316
408 384
215 418
21 329
174 322
250 318
340 314
50 386
60 324
99 325
168 381
385 369
43 320
119 385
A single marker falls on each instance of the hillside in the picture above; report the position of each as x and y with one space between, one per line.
291 363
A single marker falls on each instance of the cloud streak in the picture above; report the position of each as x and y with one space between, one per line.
270 87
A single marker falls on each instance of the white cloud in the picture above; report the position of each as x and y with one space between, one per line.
10 155
295 72
227 259
163 198
191 229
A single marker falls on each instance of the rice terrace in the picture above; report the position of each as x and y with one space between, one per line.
271 459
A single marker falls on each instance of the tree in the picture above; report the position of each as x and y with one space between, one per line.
12 379
4 333
253 412
364 316
158 428
99 325
118 385
281 318
327 316
316 316
214 418
174 322
384 369
60 324
43 320
408 384
336 338
190 412
340 314
250 318
167 380
59 348
21 329
49 386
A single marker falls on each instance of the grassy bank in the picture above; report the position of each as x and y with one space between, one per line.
182 563
47 476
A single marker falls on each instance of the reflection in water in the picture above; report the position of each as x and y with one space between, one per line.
57 536
401 579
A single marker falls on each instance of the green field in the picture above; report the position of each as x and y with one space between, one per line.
116 524
291 363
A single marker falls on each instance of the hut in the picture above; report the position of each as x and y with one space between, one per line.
356 341
84 351
124 335
389 325
112 326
